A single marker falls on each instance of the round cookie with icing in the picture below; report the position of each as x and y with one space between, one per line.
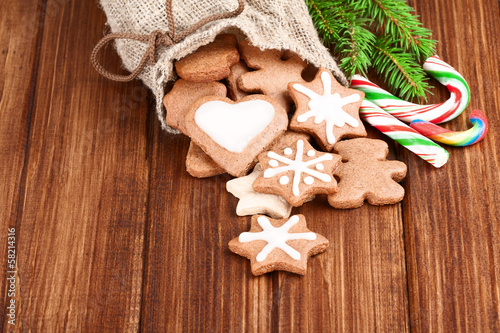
297 172
234 133
283 245
326 109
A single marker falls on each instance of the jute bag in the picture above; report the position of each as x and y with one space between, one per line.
150 35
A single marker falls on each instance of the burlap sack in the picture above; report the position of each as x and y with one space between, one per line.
268 24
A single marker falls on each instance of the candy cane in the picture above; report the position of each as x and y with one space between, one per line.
404 134
460 139
406 111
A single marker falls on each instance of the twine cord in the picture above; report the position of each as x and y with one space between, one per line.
154 40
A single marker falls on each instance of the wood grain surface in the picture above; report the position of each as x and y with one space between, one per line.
112 234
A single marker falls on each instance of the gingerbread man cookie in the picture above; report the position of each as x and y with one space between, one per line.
326 109
272 74
367 175
236 72
284 245
297 172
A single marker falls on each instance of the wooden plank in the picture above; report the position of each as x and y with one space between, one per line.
451 215
81 231
19 48
192 280
359 284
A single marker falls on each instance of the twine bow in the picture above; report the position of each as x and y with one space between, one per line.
155 39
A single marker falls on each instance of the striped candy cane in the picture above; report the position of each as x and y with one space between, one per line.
458 139
406 111
404 134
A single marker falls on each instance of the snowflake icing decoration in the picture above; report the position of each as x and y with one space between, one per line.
298 166
276 237
327 107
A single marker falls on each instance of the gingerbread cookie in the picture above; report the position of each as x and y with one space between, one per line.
367 175
289 138
234 133
297 172
252 203
272 74
211 62
200 165
326 109
183 94
283 245
236 72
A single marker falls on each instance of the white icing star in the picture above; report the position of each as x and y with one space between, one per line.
253 203
327 107
276 237
298 166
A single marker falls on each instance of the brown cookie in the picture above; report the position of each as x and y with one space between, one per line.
183 94
234 133
297 172
283 245
286 140
289 139
272 74
326 109
367 175
211 62
200 165
252 203
237 70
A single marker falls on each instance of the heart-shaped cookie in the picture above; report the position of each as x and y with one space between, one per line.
233 134
233 126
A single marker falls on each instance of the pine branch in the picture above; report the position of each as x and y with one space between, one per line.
343 26
381 34
397 20
355 46
323 14
402 73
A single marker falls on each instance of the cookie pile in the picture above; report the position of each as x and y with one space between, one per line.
267 124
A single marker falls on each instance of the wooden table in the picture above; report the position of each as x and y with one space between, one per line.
112 234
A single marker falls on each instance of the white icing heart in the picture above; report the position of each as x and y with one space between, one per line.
233 126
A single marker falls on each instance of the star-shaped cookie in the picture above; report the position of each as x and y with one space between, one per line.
252 203
326 109
283 245
297 172
272 74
